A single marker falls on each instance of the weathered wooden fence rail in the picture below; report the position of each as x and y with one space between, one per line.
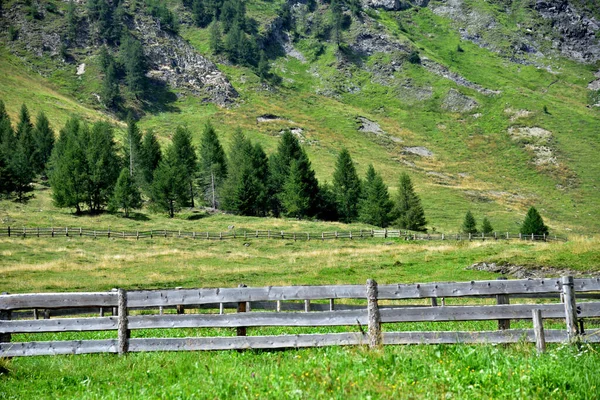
266 234
378 310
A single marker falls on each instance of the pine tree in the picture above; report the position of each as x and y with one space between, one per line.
24 134
21 171
72 22
110 87
336 21
239 158
213 166
132 57
186 153
294 197
375 206
486 226
288 149
346 186
409 212
127 195
260 170
215 40
245 189
169 191
7 145
150 156
233 44
469 224
300 195
43 137
202 16
263 67
132 145
533 224
68 165
102 166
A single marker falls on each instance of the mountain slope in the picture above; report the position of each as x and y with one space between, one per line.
492 116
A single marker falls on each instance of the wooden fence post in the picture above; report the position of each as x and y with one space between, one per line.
5 315
503 324
331 304
124 332
180 307
307 305
8 231
538 328
568 291
241 330
434 302
375 337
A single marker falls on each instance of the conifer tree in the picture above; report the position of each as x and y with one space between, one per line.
68 166
24 134
409 212
132 57
244 191
533 223
72 22
375 206
150 156
346 186
132 145
300 194
186 153
294 197
126 195
213 166
43 137
336 21
215 39
233 43
7 145
263 66
202 16
239 158
486 226
469 224
21 171
169 191
110 87
288 149
102 166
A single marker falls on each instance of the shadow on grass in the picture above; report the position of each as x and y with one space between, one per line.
159 98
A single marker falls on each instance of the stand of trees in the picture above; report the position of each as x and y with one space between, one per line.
24 152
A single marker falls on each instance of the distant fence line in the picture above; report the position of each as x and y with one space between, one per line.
377 311
267 234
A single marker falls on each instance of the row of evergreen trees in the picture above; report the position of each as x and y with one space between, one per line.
24 151
532 224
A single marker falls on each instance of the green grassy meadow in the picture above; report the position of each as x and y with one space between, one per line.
475 166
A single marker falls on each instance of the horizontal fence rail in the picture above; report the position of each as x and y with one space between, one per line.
245 234
292 306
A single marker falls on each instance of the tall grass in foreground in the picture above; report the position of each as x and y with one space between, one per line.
458 371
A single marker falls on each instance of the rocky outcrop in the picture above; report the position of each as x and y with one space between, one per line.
576 32
454 77
458 102
175 62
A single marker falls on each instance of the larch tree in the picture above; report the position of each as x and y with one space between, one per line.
186 153
150 156
43 137
212 166
533 223
409 212
126 195
469 224
486 226
375 205
347 187
169 191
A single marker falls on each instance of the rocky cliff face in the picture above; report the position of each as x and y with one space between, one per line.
170 58
176 62
576 32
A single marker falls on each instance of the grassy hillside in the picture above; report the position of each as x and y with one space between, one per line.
475 163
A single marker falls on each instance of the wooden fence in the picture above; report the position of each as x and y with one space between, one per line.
265 234
378 310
